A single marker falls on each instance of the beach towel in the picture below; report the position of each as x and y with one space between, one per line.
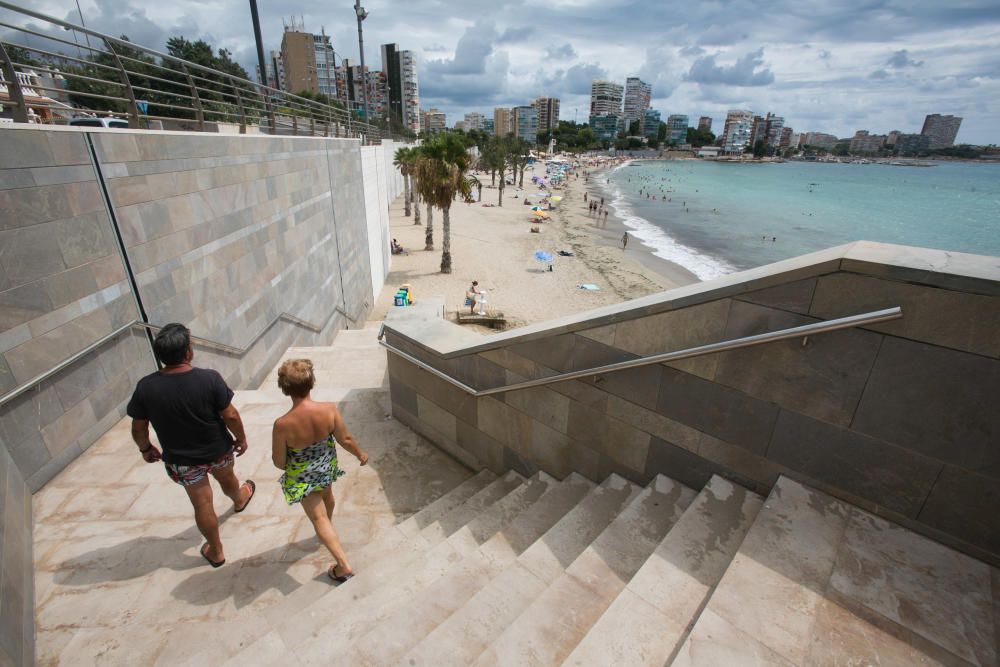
589 286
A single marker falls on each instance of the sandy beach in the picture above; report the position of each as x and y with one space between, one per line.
495 246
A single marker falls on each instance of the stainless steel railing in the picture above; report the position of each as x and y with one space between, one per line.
747 341
51 69
196 340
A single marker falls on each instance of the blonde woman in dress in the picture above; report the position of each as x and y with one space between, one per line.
303 445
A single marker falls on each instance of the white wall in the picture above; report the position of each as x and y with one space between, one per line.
382 184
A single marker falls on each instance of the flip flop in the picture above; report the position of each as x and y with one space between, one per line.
340 579
213 563
253 490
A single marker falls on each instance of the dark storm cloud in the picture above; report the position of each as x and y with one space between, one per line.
749 70
901 59
564 52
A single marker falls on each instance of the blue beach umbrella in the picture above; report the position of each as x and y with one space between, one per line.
543 256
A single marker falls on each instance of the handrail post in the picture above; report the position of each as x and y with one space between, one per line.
13 87
199 113
239 106
295 123
133 108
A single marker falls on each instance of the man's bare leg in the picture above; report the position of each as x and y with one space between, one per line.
230 483
200 495
315 509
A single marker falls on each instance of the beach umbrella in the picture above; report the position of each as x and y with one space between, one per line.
540 214
556 198
543 256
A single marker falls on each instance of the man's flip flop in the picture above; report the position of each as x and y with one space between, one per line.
340 579
213 563
253 490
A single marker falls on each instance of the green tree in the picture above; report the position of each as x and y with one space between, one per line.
404 160
699 137
442 166
759 149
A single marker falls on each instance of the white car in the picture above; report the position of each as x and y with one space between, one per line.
99 122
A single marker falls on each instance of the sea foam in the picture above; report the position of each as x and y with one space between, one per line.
665 246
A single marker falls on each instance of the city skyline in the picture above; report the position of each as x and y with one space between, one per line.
827 69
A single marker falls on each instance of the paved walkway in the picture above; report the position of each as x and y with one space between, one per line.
118 577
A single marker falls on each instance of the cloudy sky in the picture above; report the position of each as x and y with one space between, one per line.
825 66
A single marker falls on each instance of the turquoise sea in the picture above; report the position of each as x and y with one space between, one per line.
714 218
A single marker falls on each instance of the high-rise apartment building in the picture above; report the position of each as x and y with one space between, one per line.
738 128
705 123
775 125
502 122
351 93
432 121
474 121
402 92
758 131
548 113
526 123
651 124
605 98
942 130
637 96
605 126
819 140
488 125
307 61
864 142
677 127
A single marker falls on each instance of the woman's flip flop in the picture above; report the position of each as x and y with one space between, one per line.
340 579
253 490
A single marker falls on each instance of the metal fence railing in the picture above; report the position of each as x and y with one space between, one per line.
51 70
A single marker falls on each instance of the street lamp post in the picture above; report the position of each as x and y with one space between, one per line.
362 15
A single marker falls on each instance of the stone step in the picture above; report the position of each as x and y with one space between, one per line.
391 638
819 581
648 620
449 501
469 630
548 630
382 561
390 589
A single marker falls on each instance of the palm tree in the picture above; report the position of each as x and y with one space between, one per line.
442 170
498 157
474 182
403 161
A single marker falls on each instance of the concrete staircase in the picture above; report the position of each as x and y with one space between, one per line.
542 572
464 568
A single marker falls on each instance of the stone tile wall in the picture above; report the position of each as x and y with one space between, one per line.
222 233
225 234
63 287
899 417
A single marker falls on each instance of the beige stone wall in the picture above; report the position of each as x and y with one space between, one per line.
899 418
222 233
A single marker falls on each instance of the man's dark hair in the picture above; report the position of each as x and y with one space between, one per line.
172 343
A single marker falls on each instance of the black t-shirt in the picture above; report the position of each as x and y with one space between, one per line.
184 410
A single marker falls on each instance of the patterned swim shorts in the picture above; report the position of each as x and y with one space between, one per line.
188 475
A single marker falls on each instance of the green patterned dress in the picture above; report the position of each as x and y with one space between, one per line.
310 469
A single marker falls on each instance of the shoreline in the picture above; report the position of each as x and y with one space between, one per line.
610 234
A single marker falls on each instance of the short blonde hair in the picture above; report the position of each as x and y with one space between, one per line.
296 378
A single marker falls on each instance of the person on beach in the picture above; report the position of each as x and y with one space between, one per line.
304 445
624 240
199 429
470 296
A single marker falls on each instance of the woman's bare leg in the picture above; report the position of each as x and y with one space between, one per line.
329 501
315 509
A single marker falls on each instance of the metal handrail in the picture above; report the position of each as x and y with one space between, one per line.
747 341
202 342
257 103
